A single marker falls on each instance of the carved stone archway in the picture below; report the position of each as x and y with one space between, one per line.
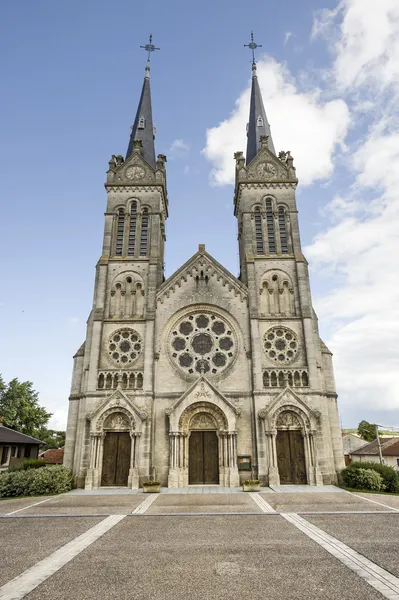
288 412
202 407
116 415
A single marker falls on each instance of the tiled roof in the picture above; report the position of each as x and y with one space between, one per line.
53 456
9 436
389 447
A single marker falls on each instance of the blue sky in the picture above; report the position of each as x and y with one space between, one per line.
72 74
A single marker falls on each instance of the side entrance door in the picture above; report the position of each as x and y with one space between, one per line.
291 457
116 458
203 457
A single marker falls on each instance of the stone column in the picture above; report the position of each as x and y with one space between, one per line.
274 477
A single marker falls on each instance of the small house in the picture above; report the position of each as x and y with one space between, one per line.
53 456
15 447
389 451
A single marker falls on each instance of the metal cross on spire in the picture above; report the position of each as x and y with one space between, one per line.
149 48
253 45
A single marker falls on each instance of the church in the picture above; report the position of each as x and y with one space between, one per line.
203 377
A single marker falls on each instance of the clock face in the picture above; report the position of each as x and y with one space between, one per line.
267 168
135 172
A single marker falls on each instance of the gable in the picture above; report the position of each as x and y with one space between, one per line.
135 170
203 269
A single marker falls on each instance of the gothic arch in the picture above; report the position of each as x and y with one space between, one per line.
215 412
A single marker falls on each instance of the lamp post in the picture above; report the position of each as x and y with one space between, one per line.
378 443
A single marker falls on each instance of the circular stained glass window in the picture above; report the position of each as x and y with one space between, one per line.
202 343
124 346
281 345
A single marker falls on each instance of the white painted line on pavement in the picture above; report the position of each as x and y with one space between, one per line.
145 505
383 581
374 502
30 506
23 584
263 505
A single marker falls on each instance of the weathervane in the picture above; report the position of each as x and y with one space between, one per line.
253 45
149 48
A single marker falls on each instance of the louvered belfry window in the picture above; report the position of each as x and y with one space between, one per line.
258 232
132 230
119 232
282 223
144 233
270 227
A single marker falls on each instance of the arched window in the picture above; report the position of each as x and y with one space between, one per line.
119 232
282 224
270 227
259 121
139 381
132 230
141 124
144 233
258 232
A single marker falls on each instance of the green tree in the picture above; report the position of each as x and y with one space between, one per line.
19 407
366 431
52 438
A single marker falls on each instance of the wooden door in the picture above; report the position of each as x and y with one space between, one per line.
291 457
116 458
203 458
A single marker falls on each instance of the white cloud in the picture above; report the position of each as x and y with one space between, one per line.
364 37
314 131
287 36
360 253
178 148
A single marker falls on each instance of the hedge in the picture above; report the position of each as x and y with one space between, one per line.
362 479
389 474
35 482
29 463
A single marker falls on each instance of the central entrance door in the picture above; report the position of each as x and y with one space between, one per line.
203 457
291 457
116 458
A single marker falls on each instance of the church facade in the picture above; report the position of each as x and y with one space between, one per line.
203 377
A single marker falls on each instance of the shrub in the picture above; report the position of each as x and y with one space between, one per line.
151 483
362 479
389 474
36 482
251 481
30 463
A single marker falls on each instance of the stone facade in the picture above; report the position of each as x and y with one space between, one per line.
203 349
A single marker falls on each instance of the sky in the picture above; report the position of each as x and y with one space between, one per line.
71 76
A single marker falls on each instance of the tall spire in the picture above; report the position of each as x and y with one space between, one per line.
258 124
143 128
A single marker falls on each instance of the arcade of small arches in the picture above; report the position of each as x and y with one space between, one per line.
109 380
271 229
127 296
277 294
285 378
131 231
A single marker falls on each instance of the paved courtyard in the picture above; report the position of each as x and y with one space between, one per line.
291 542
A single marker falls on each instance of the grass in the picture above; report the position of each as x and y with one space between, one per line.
355 490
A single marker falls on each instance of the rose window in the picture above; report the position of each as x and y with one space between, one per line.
203 343
281 345
124 346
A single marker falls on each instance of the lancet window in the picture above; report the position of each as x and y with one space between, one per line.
144 233
258 232
132 229
282 223
259 121
270 227
119 232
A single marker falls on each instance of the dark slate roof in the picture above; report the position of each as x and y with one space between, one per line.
9 436
389 447
254 131
146 135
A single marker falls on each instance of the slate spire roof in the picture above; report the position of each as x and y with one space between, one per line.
258 124
143 128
